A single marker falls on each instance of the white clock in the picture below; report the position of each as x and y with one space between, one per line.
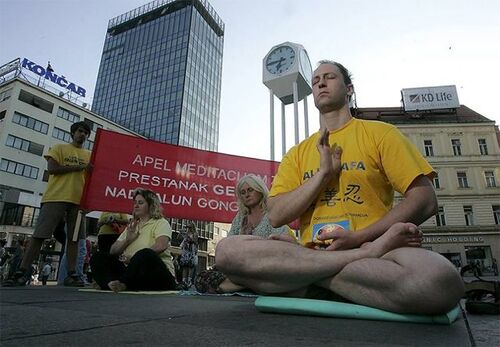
305 64
280 60
285 64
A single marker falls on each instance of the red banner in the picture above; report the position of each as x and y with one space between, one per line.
190 183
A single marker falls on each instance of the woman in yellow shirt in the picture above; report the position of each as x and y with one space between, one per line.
140 259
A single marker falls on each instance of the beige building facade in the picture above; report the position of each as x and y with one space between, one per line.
33 119
463 148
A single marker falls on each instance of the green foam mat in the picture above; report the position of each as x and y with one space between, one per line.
159 292
310 307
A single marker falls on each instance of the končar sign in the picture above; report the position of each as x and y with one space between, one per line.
51 76
430 98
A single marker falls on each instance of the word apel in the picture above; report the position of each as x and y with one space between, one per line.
49 75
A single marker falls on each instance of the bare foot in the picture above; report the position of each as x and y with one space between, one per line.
398 235
229 287
117 286
365 244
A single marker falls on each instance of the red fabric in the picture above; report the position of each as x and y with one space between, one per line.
191 183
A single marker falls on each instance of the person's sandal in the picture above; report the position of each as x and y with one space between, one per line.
208 281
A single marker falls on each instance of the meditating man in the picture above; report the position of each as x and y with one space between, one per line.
354 244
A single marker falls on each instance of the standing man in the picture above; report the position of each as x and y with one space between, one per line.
67 165
343 194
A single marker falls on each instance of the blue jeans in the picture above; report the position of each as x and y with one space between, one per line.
63 266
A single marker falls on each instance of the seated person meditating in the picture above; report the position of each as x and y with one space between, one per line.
340 182
251 219
140 259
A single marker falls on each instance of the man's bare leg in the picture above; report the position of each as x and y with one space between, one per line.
272 267
406 280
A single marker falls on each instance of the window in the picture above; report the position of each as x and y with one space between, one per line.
469 215
15 214
36 101
440 217
18 169
457 150
24 145
45 176
5 94
68 115
31 123
483 148
61 135
435 182
496 213
429 150
490 179
462 179
2 114
16 142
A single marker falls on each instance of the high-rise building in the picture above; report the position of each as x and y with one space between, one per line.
160 75
160 72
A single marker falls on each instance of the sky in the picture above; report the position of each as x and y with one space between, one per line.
387 45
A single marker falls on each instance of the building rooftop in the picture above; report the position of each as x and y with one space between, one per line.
397 115
158 8
15 71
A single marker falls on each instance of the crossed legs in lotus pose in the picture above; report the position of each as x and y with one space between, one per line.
389 273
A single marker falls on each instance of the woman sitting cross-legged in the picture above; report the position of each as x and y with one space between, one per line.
251 219
140 258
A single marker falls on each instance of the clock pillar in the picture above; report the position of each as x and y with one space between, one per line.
271 127
296 110
306 119
287 72
283 131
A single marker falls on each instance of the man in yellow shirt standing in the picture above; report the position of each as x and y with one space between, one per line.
67 165
354 244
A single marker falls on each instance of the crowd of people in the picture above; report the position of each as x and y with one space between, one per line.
353 244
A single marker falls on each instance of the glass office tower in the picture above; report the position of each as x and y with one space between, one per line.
160 72
160 75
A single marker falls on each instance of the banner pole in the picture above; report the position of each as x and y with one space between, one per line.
76 231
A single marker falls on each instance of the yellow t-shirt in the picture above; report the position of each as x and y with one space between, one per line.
148 233
107 229
66 187
376 160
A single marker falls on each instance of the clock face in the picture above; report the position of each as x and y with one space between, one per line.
280 59
305 63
